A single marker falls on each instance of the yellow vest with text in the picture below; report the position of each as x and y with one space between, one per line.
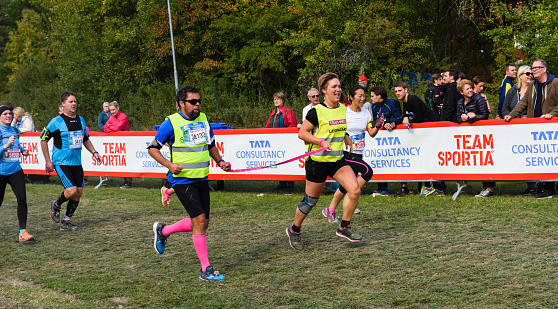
190 147
332 125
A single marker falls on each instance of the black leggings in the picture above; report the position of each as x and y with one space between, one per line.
359 167
17 182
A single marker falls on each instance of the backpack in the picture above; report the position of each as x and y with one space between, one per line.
432 96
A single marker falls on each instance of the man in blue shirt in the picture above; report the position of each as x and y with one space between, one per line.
192 143
69 134
507 84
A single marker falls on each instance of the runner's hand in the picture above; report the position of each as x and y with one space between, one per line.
11 139
25 152
175 169
49 167
97 157
225 166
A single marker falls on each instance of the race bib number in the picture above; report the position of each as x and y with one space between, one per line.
358 141
75 139
12 154
195 133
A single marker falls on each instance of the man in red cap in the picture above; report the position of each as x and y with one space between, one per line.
363 81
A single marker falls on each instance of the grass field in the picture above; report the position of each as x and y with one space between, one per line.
417 252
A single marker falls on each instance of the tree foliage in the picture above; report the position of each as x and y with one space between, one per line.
241 52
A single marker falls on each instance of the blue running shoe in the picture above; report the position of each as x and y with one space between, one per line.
211 275
160 240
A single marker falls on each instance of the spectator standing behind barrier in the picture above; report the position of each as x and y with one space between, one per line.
314 97
363 81
414 111
9 105
540 100
104 116
389 113
10 169
472 107
118 121
282 117
505 86
451 96
433 96
525 77
479 87
23 121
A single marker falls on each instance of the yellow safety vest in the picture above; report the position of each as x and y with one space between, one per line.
332 125
190 148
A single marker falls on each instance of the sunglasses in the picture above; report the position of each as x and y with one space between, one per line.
193 101
528 73
315 96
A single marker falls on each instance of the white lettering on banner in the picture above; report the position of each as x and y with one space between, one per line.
488 149
33 157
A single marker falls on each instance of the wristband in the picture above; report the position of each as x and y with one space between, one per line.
321 141
219 162
95 153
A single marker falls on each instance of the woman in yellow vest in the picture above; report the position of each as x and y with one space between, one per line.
324 127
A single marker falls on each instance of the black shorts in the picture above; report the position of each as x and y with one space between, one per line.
318 171
70 175
354 160
194 197
358 165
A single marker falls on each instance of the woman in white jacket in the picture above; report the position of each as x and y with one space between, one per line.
23 121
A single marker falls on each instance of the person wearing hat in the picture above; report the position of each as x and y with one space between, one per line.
363 81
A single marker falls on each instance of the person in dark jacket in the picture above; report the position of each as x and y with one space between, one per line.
414 111
479 87
389 109
433 97
525 78
451 96
390 112
472 107
282 117
104 116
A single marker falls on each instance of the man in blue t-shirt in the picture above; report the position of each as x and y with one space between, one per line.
191 144
69 134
